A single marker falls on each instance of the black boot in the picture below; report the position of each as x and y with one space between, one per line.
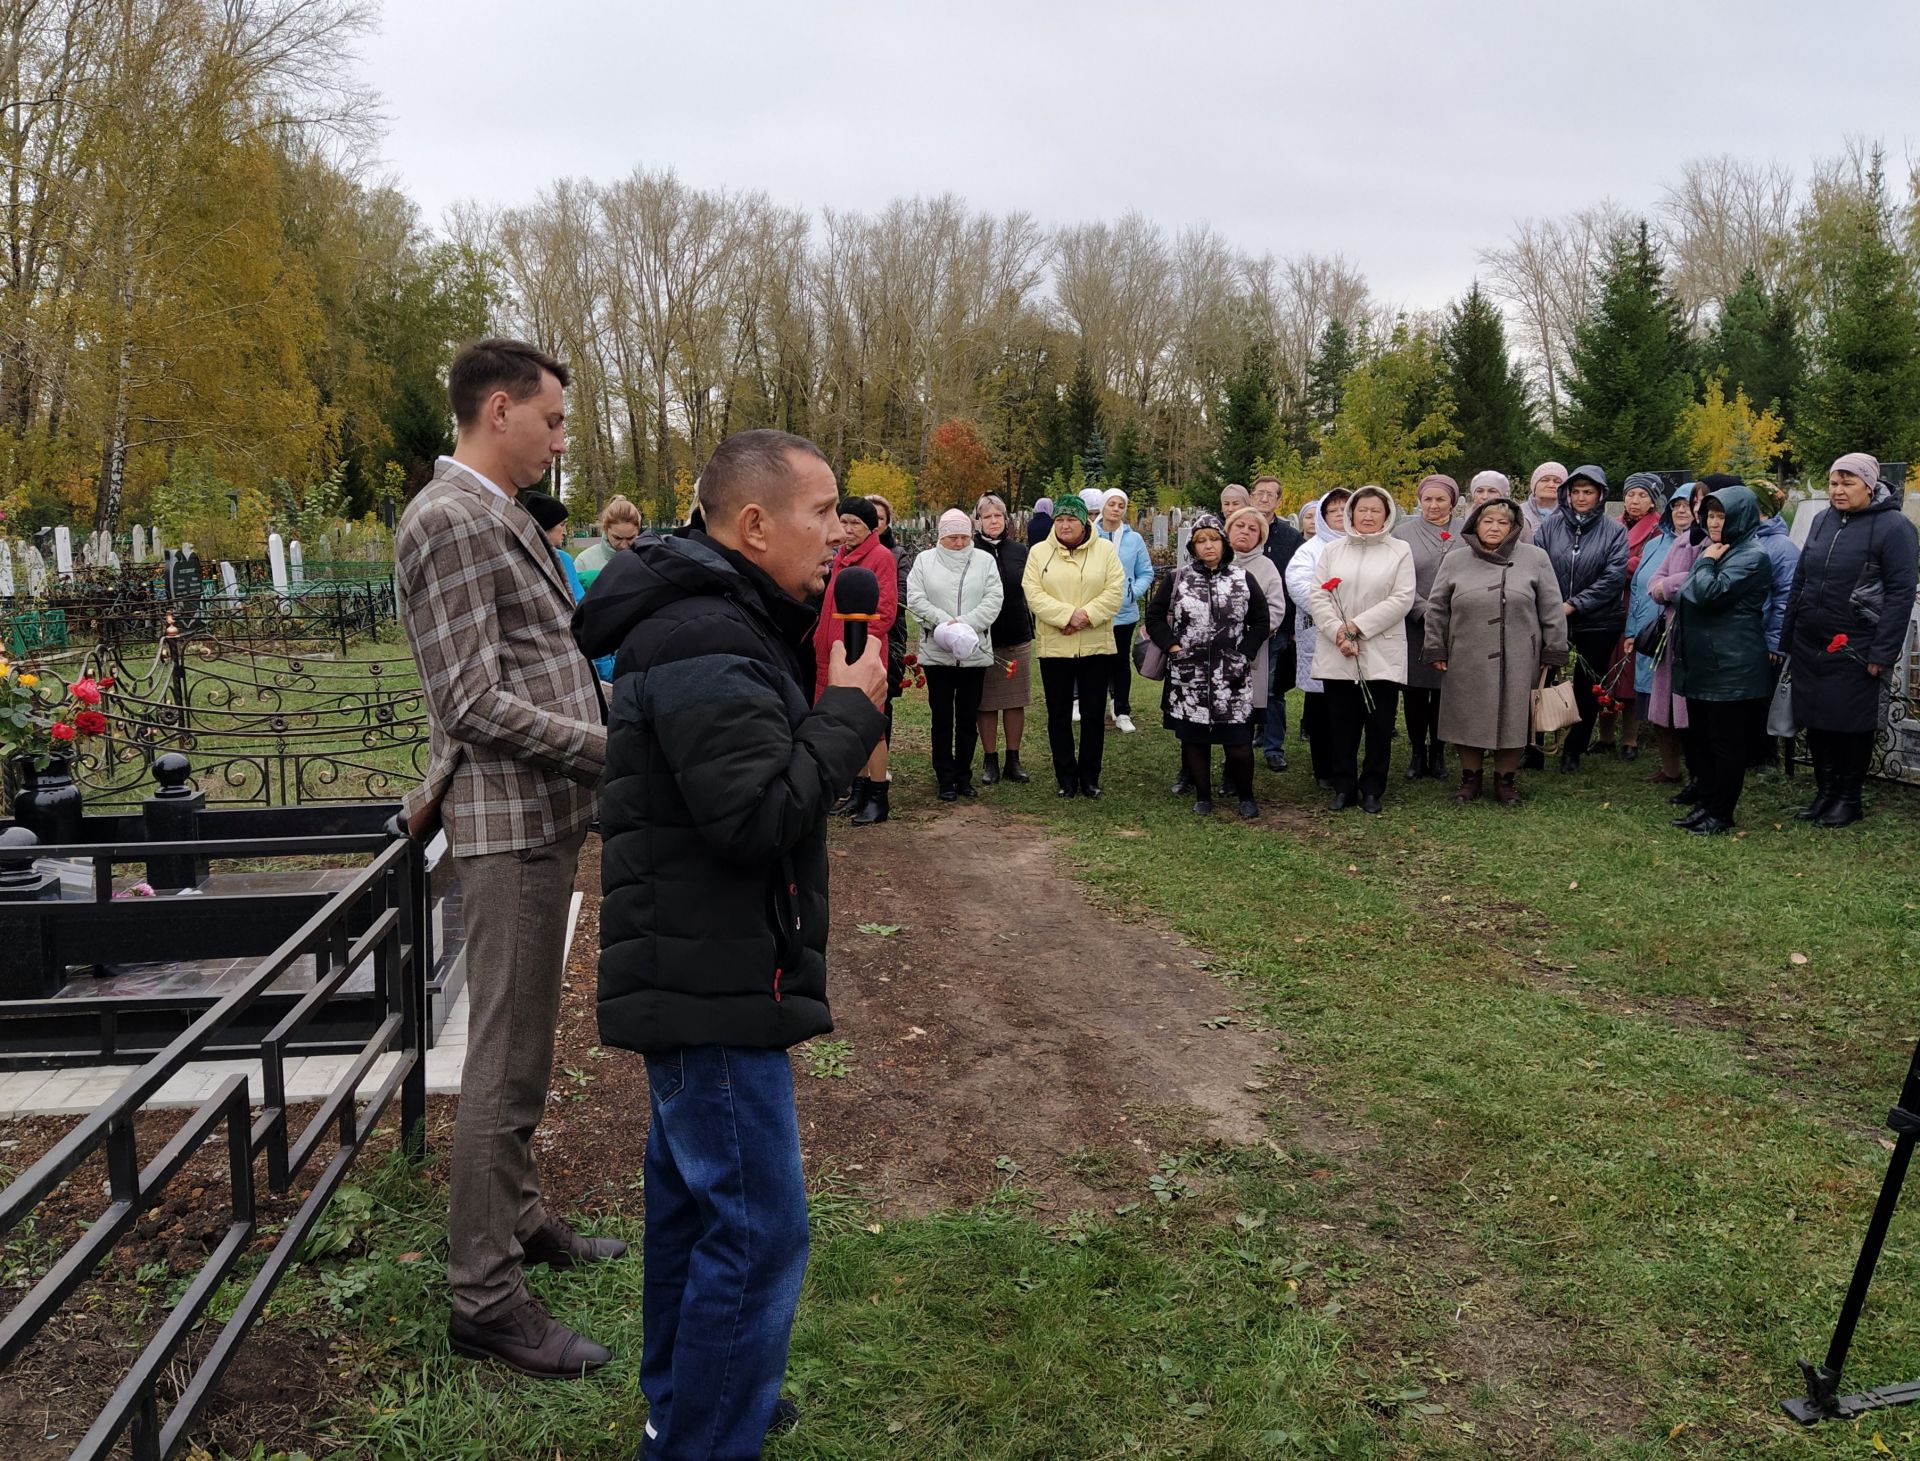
1535 759
1437 761
1823 793
1846 808
1416 763
1013 772
876 808
855 799
990 770
1687 796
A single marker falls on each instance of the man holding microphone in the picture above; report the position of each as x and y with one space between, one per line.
713 925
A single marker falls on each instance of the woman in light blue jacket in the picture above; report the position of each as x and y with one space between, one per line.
1136 569
954 592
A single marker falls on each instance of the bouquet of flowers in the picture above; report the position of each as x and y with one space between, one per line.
42 717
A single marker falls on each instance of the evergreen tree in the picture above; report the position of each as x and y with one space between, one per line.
1082 409
1093 457
1490 410
1333 361
1631 375
1756 342
1129 465
1248 425
1863 391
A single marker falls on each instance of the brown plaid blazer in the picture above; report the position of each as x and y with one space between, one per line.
516 734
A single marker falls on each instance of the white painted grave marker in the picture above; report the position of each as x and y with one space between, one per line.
63 551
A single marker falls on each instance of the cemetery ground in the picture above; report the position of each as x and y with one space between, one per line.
1450 1133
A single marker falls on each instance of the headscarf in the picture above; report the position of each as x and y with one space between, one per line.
1643 528
1438 479
1095 499
1043 504
1496 480
1867 469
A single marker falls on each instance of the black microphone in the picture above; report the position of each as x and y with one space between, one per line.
856 604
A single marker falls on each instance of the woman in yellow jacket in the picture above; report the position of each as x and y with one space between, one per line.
1074 588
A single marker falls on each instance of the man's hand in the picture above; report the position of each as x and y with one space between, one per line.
1567 609
868 674
1078 620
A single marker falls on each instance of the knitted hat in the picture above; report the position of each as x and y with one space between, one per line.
1498 481
546 510
1073 507
1647 482
1866 468
861 508
953 520
1543 470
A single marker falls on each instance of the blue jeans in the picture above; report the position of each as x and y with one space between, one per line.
1273 735
725 1249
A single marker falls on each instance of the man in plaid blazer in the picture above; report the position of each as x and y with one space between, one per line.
518 741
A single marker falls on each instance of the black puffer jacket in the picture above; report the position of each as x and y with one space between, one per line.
713 928
1855 577
1589 553
1014 626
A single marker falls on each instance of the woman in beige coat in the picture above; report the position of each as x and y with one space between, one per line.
1359 609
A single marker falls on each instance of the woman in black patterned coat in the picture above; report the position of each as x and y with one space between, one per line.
1210 618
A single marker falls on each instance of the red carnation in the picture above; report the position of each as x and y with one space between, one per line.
1836 644
60 731
1445 536
90 723
1599 689
106 682
86 691
1330 585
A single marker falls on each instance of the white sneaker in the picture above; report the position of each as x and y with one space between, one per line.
1076 712
1124 724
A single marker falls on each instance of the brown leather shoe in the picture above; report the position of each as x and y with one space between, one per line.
1504 790
559 1246
530 1340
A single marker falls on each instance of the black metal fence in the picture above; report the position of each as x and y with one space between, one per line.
386 904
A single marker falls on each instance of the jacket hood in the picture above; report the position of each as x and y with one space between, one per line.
1682 493
1320 529
1584 474
1504 553
1393 516
660 572
1771 527
1211 520
1743 513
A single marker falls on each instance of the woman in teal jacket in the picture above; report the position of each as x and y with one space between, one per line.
1136 568
1720 653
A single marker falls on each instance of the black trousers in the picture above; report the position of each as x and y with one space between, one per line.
954 698
1060 681
1122 669
1349 722
1423 718
1595 649
1313 725
1723 741
1848 752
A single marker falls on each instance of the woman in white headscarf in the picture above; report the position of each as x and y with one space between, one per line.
954 592
1329 522
1543 498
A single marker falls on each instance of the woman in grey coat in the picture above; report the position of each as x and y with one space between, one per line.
1493 621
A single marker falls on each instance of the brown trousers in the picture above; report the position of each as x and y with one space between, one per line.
515 906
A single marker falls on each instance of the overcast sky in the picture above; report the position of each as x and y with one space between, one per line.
1405 136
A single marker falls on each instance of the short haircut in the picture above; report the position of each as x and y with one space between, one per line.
1275 480
882 504
746 463
486 366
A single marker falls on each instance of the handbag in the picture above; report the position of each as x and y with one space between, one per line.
1651 640
1780 711
1554 707
1149 659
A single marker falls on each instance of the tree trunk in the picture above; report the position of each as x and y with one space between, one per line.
113 469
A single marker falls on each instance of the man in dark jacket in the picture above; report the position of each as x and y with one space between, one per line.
1589 553
1283 541
713 928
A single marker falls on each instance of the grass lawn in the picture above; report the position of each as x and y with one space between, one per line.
1613 1097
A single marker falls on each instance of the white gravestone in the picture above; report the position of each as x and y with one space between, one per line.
277 564
296 563
63 551
1160 530
6 569
36 571
139 544
230 580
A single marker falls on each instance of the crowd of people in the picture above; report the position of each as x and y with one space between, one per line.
1690 612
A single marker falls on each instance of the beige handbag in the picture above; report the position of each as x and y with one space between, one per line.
1554 707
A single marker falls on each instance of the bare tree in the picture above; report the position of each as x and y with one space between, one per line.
1721 218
